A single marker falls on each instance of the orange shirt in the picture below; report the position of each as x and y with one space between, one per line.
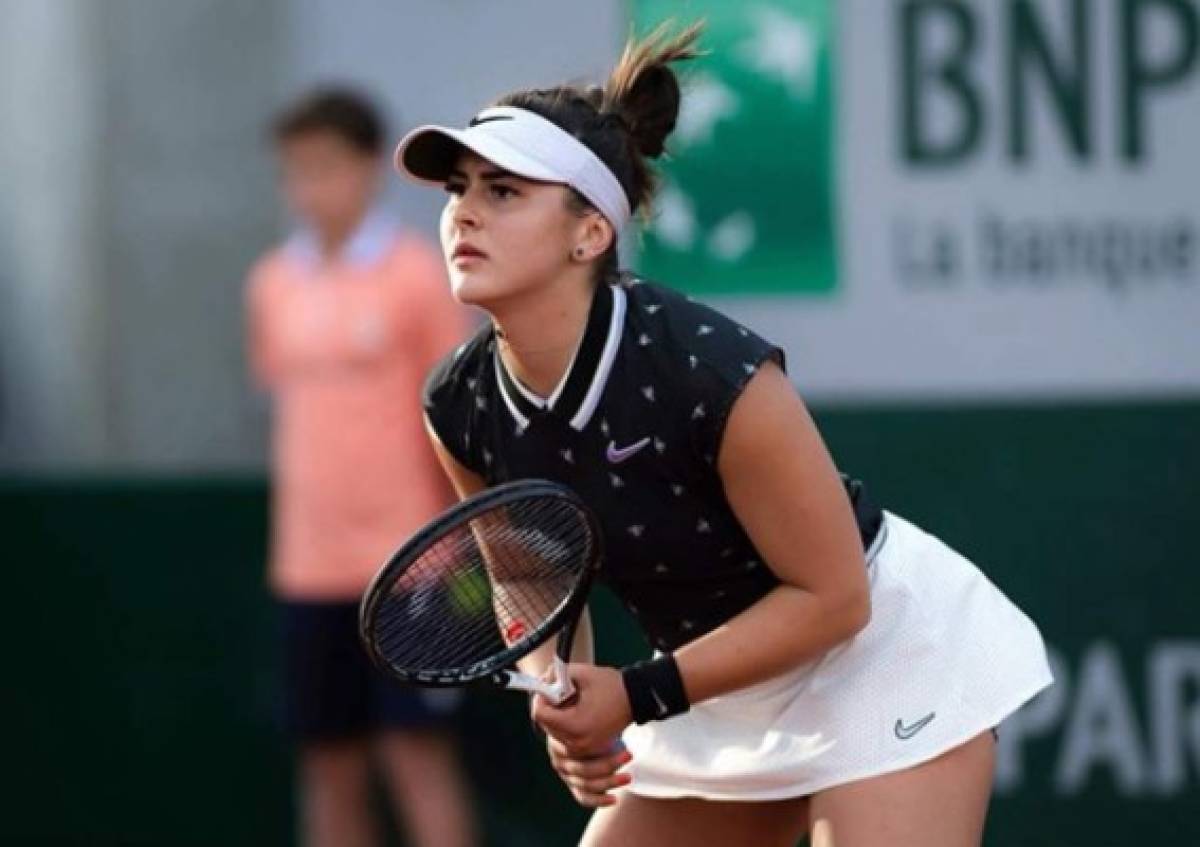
344 347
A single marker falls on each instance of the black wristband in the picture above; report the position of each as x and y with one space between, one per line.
655 689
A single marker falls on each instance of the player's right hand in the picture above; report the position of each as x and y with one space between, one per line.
590 776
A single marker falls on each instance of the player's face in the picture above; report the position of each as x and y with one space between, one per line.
503 236
328 183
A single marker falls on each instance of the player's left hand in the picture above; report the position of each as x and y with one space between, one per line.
594 717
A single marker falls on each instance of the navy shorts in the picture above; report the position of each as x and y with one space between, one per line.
331 688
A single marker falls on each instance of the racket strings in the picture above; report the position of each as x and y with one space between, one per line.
484 586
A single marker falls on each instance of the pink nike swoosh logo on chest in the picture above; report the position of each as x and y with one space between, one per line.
616 454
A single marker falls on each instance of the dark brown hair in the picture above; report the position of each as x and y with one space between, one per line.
340 111
626 122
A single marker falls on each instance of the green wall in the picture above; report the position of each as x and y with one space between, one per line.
143 699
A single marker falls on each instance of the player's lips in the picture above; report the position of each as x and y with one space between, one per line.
466 252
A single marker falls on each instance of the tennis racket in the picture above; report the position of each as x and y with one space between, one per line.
483 586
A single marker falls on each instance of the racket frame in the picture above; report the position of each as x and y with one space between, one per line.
498 668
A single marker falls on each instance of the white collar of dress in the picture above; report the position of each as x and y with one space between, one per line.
578 393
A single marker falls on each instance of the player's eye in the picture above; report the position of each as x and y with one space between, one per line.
455 187
502 192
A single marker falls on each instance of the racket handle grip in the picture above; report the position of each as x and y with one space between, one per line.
557 690
563 686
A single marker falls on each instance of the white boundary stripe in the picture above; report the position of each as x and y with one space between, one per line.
562 383
544 402
539 402
592 399
522 421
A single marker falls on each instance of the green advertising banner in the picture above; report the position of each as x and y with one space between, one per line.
747 200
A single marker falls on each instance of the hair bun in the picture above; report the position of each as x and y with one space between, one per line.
643 88
650 109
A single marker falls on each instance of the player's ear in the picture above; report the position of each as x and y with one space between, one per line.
593 236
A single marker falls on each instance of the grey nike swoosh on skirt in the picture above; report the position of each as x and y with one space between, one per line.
906 732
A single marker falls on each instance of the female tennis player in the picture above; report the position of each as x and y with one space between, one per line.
816 659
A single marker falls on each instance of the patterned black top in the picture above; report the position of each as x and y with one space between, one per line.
634 428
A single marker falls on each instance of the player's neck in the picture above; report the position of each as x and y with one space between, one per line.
538 337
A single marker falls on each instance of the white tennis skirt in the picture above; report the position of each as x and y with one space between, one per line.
945 657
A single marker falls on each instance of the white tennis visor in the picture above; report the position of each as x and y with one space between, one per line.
523 143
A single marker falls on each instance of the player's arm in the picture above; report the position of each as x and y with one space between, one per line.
784 489
466 482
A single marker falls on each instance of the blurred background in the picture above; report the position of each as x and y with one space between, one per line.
974 226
